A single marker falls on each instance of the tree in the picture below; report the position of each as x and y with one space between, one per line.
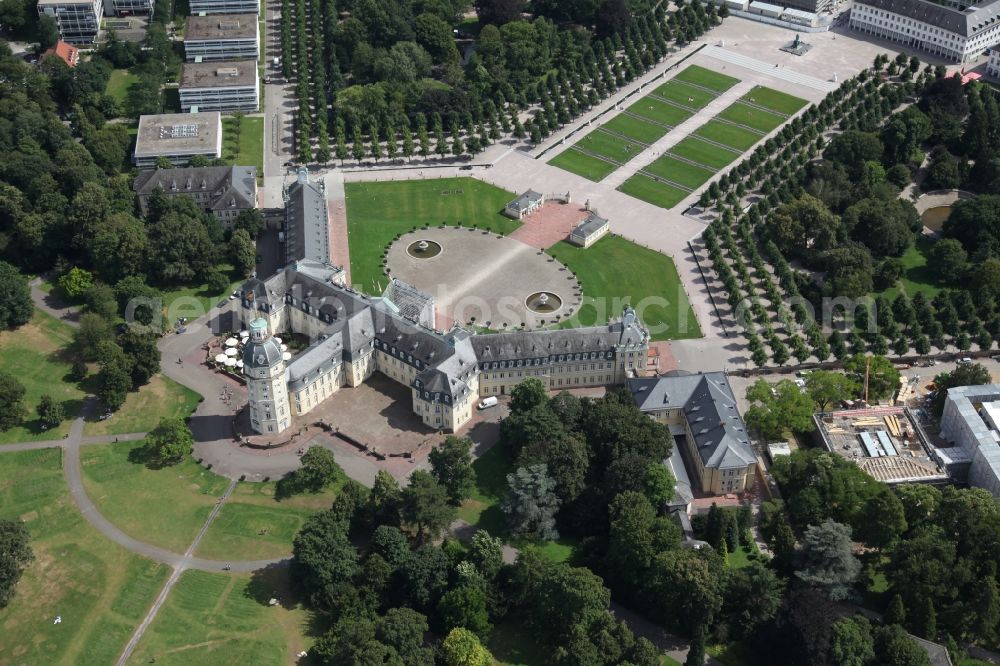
88 336
972 374
563 597
486 553
883 377
216 282
827 560
803 228
828 388
50 412
142 354
851 642
942 171
465 606
751 598
948 259
15 555
403 629
498 12
887 228
76 282
114 379
894 647
896 612
242 251
47 31
778 408
385 499
323 558
882 520
451 465
853 149
461 647
251 221
12 398
528 394
426 506
15 298
531 503
975 223
169 442
319 469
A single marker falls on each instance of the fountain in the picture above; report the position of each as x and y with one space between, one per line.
423 249
543 302
933 218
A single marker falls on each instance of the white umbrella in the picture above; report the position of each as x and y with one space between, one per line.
239 364
277 339
286 356
220 358
232 342
284 347
231 352
230 362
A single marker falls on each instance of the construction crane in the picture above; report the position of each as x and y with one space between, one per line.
868 365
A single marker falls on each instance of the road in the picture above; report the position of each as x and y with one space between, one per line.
279 110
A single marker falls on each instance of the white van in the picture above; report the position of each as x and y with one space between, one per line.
486 403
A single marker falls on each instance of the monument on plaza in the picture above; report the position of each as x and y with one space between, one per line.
264 369
796 46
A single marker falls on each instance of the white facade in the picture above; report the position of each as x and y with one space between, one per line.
993 65
224 7
963 427
220 86
264 370
222 37
78 21
132 7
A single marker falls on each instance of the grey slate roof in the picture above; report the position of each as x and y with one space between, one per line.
591 225
542 344
307 232
261 354
412 303
526 200
966 23
709 406
229 186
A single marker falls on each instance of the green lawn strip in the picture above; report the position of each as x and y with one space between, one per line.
100 590
119 83
35 355
212 618
165 507
732 654
610 145
706 78
679 171
668 661
615 271
661 112
684 94
143 409
635 128
377 212
650 191
703 152
248 148
747 115
730 135
253 525
775 100
513 644
194 300
581 164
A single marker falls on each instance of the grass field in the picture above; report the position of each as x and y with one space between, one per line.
118 84
703 152
684 94
775 100
144 408
615 272
194 300
100 590
34 354
377 212
706 78
679 171
610 145
635 128
647 189
661 112
248 150
729 135
581 164
747 115
165 507
916 274
223 620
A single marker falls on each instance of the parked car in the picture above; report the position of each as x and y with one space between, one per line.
486 403
965 360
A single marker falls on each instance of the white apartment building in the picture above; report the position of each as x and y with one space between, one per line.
220 86
78 20
950 32
993 64
224 7
221 37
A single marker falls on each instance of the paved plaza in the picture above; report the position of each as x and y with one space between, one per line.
484 279
550 224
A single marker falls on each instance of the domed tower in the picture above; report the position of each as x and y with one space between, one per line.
264 370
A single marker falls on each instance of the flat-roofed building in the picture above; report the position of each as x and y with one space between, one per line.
224 7
223 191
958 33
220 86
222 37
132 7
78 20
177 137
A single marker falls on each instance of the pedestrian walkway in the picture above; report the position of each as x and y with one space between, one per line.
336 201
725 55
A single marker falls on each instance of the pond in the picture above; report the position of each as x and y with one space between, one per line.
933 218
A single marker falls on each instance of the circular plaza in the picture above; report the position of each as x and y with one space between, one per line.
478 278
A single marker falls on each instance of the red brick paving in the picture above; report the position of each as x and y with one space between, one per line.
549 224
667 362
340 254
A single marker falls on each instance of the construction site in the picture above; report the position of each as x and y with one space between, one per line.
885 442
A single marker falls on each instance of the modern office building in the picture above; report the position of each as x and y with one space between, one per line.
132 7
177 137
224 7
223 191
220 86
954 32
222 37
971 422
78 20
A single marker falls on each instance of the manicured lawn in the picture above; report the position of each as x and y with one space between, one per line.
703 152
775 100
633 127
615 272
512 644
218 619
165 506
647 189
581 164
738 558
917 276
661 112
377 212
684 94
730 135
35 355
143 409
194 300
706 78
119 82
610 145
253 525
679 171
751 117
668 661
248 150
100 590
